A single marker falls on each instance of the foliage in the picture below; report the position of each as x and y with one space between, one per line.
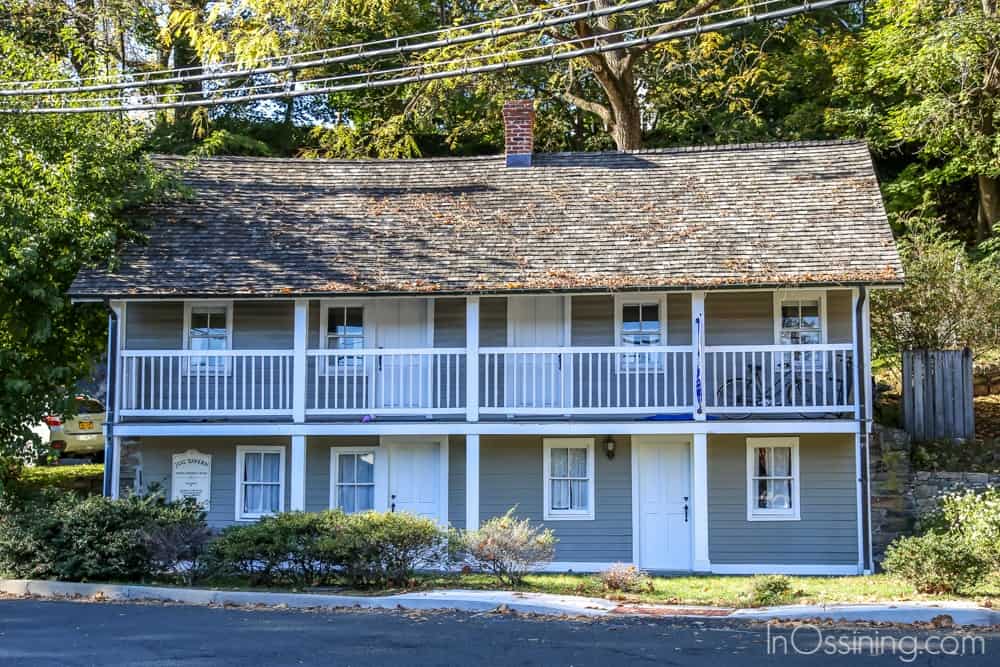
66 477
508 547
934 563
950 299
291 547
379 548
960 547
68 186
768 590
974 517
625 579
63 536
368 549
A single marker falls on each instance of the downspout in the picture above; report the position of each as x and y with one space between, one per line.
863 420
109 417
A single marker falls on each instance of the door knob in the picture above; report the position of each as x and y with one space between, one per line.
685 509
392 507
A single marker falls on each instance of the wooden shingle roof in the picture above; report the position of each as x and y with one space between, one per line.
752 215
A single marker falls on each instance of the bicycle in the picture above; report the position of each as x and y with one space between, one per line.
791 386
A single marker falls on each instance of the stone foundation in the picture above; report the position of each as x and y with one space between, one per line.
900 495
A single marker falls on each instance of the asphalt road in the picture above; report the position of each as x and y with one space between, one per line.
78 633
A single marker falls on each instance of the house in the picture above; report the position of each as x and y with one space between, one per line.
662 355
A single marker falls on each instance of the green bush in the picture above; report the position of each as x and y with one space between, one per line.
368 549
935 562
508 547
768 590
293 547
974 518
63 536
379 548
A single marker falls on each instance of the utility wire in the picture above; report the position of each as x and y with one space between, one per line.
698 29
199 95
219 72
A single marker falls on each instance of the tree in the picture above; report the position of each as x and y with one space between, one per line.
67 187
927 81
950 299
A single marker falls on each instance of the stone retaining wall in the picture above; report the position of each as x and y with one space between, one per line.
901 495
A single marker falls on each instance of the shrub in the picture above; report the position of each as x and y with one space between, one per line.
935 562
63 536
378 548
292 547
508 547
768 590
974 518
625 579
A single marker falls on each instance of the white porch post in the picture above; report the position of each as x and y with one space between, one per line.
298 478
472 358
699 489
472 481
299 363
698 353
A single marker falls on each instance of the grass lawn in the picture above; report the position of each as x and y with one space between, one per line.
724 591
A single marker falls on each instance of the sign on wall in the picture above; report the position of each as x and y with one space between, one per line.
191 477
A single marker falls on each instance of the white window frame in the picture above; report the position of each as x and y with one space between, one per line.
189 308
755 513
641 299
241 452
781 296
550 514
324 330
335 472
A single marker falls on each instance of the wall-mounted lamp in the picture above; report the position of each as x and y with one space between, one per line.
609 447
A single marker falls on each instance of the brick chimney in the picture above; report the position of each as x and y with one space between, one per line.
519 132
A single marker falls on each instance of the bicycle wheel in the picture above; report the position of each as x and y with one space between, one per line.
732 394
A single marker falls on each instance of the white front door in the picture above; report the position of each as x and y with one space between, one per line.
663 475
536 380
415 479
401 381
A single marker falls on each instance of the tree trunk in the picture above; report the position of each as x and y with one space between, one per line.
989 206
627 127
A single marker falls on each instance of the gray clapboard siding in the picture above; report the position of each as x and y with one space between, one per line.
839 316
154 325
739 318
157 455
511 475
827 532
456 481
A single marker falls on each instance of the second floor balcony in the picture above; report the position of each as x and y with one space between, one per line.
677 370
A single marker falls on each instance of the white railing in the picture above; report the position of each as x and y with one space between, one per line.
581 380
740 379
423 381
190 383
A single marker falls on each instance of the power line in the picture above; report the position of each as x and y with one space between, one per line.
199 99
698 29
290 65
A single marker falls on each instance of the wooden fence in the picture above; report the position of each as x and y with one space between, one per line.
937 394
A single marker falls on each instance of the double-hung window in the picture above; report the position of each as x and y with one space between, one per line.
569 478
353 480
260 474
772 479
640 323
800 320
208 328
345 332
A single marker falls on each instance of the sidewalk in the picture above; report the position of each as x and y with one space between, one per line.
961 612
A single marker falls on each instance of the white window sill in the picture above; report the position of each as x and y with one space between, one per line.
568 516
773 517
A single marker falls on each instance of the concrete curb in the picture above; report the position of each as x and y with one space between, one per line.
961 612
474 601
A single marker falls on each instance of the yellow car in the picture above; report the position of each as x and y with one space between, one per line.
82 435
